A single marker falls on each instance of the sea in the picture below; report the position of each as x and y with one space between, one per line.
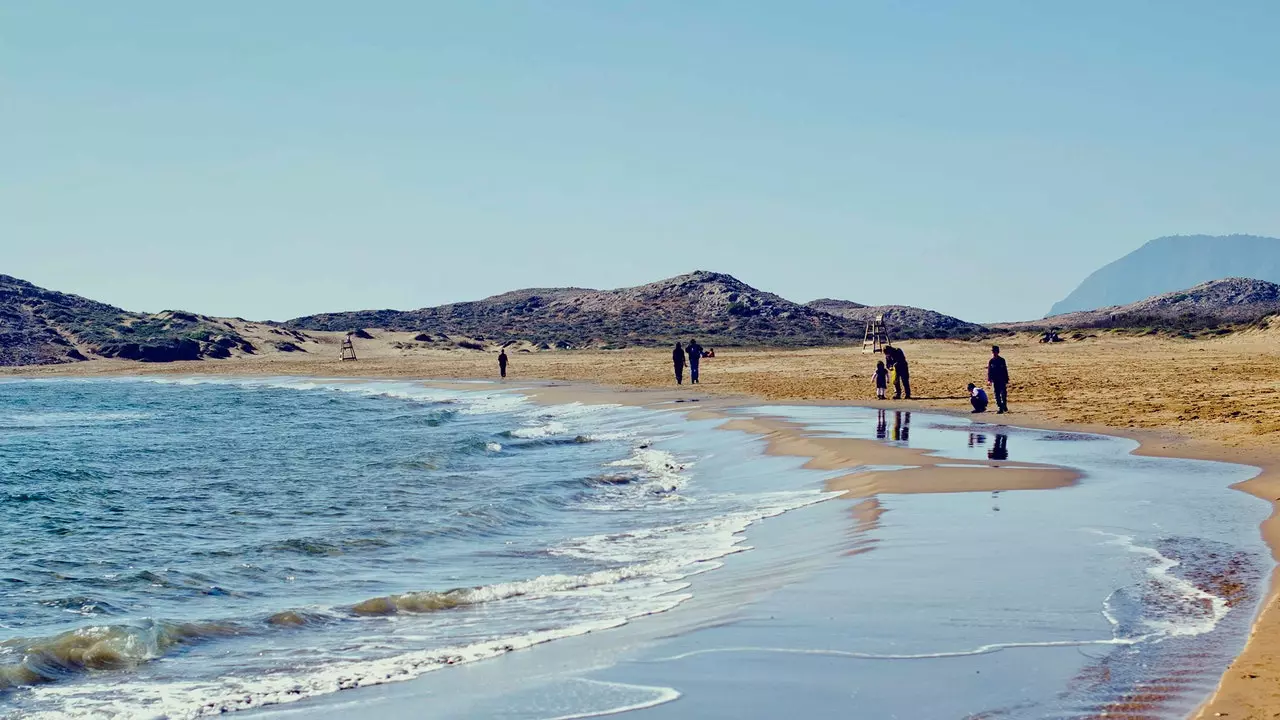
188 547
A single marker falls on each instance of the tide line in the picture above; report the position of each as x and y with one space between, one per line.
662 696
980 650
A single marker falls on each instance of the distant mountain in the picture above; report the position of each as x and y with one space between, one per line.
43 327
905 322
1170 263
1217 302
715 308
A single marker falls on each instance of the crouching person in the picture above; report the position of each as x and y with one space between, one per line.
977 398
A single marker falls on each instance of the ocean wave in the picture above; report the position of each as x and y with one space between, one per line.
469 402
665 474
34 420
190 700
539 431
100 647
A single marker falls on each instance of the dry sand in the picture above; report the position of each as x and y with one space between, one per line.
1213 399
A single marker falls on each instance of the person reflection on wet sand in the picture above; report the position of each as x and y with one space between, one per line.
977 439
882 426
1000 450
901 425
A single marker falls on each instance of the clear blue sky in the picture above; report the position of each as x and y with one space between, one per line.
273 159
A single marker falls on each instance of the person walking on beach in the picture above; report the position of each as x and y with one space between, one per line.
998 379
882 380
695 357
677 359
502 362
978 398
897 361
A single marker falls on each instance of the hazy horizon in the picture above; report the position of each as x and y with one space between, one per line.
276 161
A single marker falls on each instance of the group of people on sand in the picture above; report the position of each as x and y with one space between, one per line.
894 369
695 353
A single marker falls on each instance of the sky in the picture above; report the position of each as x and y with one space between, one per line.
270 160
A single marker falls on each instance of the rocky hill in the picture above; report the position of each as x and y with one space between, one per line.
42 327
715 308
1207 305
905 322
1169 264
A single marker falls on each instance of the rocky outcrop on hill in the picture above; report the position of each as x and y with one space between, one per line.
42 327
904 322
715 308
1207 305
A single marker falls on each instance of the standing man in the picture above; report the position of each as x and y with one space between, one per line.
695 357
502 362
897 361
998 379
677 359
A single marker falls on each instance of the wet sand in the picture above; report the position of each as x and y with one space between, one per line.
1207 399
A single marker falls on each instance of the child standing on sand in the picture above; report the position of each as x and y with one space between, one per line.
882 380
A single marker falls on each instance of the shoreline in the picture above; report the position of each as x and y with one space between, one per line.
1242 691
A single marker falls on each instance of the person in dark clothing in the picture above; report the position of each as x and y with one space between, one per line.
502 362
998 379
695 357
978 398
677 359
882 380
897 361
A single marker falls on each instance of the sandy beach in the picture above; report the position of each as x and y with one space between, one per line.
1207 399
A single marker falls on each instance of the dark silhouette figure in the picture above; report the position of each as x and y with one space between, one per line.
901 425
978 398
897 361
882 380
695 357
977 439
502 362
998 377
677 359
882 426
999 451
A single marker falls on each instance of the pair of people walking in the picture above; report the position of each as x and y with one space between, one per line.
694 352
998 379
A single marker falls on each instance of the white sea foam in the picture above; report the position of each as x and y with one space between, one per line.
66 419
655 696
853 655
469 401
663 471
1193 611
189 700
550 429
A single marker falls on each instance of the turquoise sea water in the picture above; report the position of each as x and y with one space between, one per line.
182 548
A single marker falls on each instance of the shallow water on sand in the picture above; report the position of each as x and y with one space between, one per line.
1123 596
183 548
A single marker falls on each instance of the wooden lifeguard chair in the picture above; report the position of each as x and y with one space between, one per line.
877 335
348 348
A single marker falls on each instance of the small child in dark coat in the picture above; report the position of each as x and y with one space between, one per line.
882 380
